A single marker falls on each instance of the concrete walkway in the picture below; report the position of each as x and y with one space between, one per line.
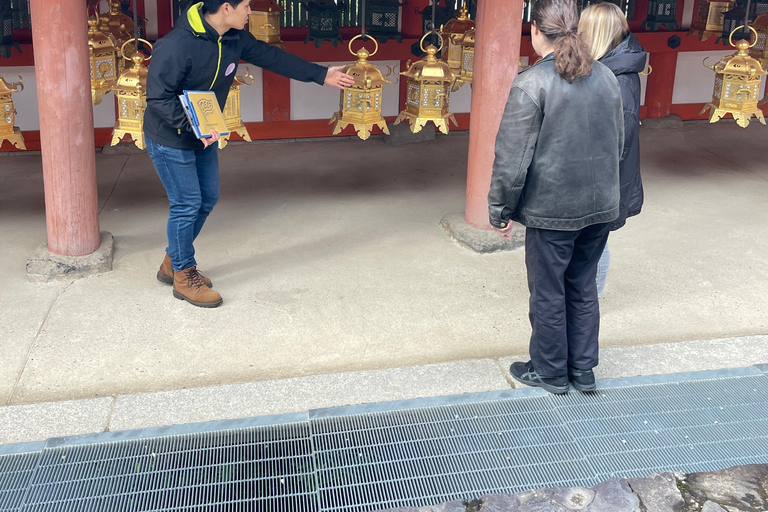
330 258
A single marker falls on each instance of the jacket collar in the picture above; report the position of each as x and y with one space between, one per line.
627 57
549 57
193 21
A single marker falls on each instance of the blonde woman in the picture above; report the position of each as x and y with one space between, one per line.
604 28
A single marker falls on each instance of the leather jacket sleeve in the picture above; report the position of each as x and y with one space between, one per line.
515 144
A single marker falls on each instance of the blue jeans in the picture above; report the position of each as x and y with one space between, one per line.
191 179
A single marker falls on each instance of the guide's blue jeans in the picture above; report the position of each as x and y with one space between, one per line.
191 179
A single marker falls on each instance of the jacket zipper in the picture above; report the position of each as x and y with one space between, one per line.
218 67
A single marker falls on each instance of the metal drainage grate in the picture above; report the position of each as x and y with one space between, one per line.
411 453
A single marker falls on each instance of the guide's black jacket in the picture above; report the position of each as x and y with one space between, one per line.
193 57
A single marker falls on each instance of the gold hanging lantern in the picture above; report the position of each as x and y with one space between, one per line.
8 131
361 103
453 35
737 85
264 22
232 112
429 87
131 92
120 22
467 57
708 21
104 64
108 30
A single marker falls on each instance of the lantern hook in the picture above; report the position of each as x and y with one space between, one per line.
421 43
650 70
137 39
369 37
730 37
391 72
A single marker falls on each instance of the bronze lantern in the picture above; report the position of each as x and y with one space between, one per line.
453 35
661 13
429 88
232 112
383 19
102 52
8 131
467 57
760 49
264 22
737 86
131 92
708 19
324 20
360 104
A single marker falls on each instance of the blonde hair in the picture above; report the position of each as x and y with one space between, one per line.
603 26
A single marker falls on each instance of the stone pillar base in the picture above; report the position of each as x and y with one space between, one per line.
44 266
481 240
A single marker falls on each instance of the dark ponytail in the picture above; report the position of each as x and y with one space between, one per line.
559 22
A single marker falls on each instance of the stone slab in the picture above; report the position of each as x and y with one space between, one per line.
38 422
44 266
744 488
400 134
305 393
658 492
481 240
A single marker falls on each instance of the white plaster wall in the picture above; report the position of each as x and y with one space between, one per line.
687 7
150 14
694 82
25 102
104 113
461 100
310 101
251 96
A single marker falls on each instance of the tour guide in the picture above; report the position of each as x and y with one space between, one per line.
202 53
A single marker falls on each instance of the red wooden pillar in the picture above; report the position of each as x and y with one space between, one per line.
60 42
497 52
661 82
277 97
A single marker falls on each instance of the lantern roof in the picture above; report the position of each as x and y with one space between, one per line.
429 68
6 88
266 6
365 73
469 38
739 63
134 78
97 40
119 19
761 22
460 24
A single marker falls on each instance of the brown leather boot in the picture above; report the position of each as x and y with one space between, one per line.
165 274
188 285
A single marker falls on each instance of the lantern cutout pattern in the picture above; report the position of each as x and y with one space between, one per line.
361 103
734 19
383 19
103 55
8 131
324 21
131 92
760 49
453 35
709 18
232 113
6 29
661 13
264 22
737 85
428 93
443 14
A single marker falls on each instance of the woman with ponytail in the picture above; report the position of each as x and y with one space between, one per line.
604 28
557 173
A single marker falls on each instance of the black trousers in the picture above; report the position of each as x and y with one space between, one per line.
564 313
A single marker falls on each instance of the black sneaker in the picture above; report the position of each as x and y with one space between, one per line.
583 380
524 372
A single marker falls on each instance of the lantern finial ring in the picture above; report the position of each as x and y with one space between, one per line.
730 37
122 48
421 43
369 37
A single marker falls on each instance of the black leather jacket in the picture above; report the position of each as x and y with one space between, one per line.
557 150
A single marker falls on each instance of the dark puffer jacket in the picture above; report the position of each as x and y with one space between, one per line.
626 61
558 150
